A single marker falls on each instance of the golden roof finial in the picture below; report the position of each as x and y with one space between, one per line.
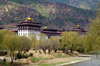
28 19
45 27
78 25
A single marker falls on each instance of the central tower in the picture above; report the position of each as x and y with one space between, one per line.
29 28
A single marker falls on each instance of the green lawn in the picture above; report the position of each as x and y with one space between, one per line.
36 59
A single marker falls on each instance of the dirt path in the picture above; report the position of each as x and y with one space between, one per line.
60 60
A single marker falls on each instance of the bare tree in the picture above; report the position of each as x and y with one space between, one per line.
49 44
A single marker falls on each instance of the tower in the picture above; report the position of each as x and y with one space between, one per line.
29 28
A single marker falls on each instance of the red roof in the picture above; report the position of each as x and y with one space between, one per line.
29 23
78 29
1 27
51 31
12 30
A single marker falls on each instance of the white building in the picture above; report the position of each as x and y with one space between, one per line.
29 28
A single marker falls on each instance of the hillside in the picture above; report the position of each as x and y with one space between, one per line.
53 15
85 4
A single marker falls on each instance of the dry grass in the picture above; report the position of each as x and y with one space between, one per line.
52 58
56 60
51 55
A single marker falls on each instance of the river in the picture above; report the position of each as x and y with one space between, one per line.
94 62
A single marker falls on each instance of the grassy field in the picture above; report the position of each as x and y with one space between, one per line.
53 59
43 59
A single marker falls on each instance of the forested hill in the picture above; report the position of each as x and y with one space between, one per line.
51 14
85 4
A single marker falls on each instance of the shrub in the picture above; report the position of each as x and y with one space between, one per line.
40 52
19 56
31 54
25 56
34 59
4 60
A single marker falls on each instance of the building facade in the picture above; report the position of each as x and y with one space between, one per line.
29 28
52 32
79 30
